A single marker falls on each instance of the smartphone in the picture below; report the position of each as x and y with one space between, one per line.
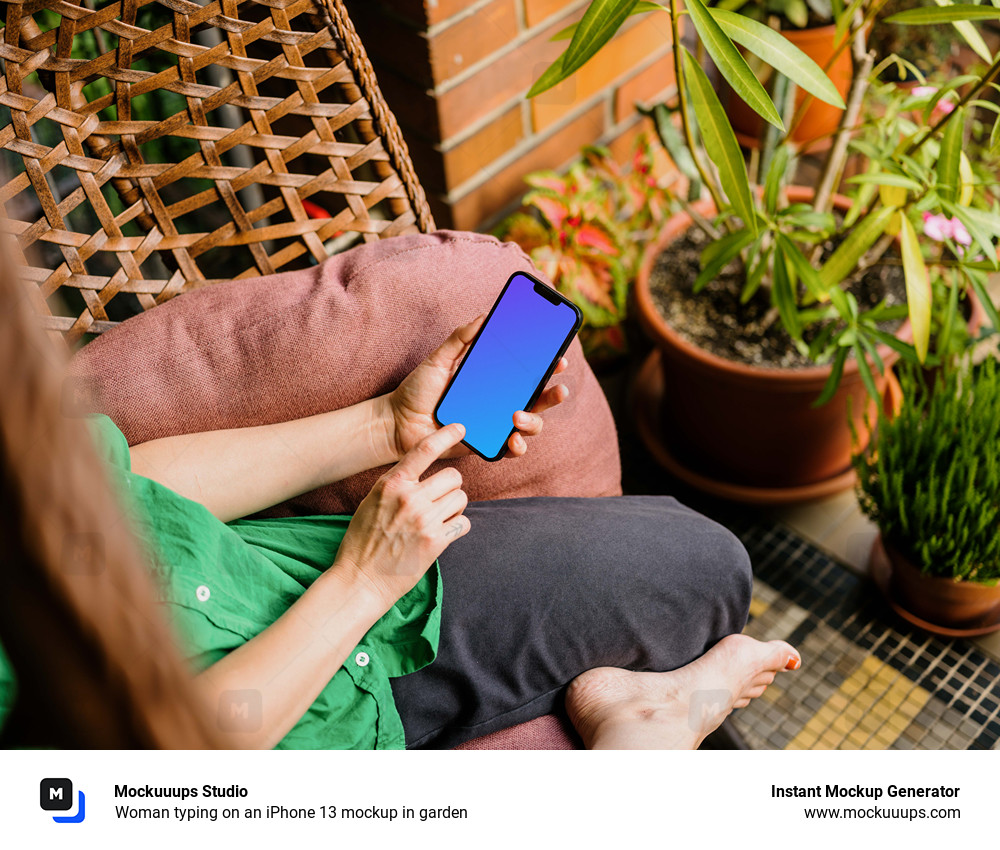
517 348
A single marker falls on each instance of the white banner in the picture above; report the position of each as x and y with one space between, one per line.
250 800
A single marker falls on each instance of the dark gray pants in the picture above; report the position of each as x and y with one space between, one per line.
541 590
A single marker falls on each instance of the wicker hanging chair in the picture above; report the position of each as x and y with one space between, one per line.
154 146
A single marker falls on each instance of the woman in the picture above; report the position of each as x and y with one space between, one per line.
319 631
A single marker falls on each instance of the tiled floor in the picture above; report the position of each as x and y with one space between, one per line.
837 526
868 680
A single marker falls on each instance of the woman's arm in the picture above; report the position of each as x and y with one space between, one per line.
243 470
400 528
239 471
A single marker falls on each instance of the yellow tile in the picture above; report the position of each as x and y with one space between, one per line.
871 708
842 724
869 723
858 739
829 741
758 607
884 738
898 721
803 742
837 702
770 695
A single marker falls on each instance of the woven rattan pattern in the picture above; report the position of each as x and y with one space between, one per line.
160 146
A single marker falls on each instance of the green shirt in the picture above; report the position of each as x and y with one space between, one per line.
223 583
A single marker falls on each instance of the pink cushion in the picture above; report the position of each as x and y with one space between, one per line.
544 733
251 352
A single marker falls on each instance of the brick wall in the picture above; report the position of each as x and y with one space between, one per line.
455 73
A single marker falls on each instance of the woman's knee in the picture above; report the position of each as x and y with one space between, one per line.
716 572
734 576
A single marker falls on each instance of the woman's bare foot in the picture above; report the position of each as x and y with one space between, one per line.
618 709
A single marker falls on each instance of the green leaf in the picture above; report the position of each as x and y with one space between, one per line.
720 141
951 85
755 275
918 287
775 175
980 224
985 300
640 8
840 302
600 22
552 76
832 382
779 53
842 262
803 215
783 295
949 156
797 12
731 64
985 104
674 142
948 324
845 20
864 370
872 352
945 15
887 178
803 268
904 349
970 34
718 255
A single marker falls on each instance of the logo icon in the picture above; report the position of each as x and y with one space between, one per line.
56 795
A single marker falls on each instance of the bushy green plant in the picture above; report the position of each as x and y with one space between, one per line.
917 171
930 478
585 231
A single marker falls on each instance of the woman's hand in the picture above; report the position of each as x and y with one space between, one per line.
404 523
410 407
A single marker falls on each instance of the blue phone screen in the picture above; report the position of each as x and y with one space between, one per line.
511 356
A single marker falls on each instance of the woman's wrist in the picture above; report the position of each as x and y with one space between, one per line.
352 591
383 430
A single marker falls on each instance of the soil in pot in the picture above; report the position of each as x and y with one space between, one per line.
715 320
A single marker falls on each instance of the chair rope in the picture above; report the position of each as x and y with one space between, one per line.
382 115
155 146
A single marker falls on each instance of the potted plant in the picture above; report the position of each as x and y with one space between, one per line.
930 479
810 26
799 266
586 231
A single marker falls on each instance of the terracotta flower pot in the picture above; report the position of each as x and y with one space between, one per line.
745 424
941 601
820 119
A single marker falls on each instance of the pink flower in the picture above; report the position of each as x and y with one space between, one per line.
940 227
941 108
